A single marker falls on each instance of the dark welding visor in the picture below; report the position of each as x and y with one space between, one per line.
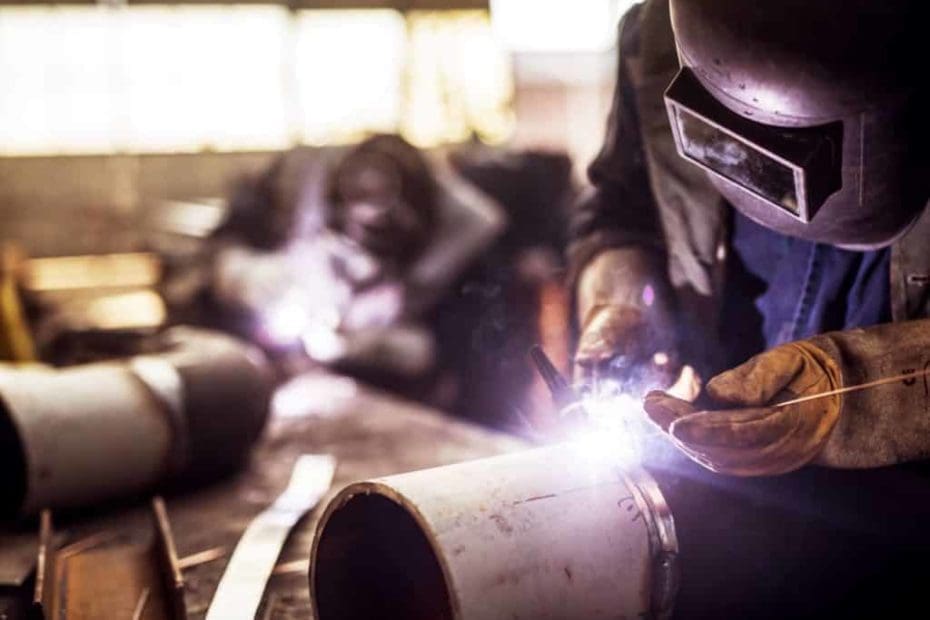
794 169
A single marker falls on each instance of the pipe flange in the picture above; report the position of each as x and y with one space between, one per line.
663 541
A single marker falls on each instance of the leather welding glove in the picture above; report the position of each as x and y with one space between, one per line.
744 433
624 307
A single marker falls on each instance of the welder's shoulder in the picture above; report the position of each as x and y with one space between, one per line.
466 208
468 223
468 212
629 28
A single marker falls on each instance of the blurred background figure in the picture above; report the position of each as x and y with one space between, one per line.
395 211
385 262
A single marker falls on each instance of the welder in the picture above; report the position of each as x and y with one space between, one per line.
405 225
762 193
366 266
366 241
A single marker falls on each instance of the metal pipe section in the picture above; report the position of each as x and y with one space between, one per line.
78 435
544 533
548 533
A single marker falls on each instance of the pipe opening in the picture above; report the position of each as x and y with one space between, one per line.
374 561
12 466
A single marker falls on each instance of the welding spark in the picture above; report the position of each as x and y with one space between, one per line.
604 417
285 321
307 297
322 343
614 426
291 322
293 319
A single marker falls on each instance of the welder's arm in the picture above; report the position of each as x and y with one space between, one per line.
617 252
469 222
624 309
618 210
741 432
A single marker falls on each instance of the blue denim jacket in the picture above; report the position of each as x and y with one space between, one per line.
779 289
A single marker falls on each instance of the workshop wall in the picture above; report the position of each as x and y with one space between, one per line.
56 206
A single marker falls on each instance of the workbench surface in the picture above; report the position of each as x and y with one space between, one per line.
370 434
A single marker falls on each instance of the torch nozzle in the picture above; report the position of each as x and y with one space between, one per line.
562 393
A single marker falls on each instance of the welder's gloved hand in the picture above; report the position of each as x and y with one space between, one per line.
627 333
744 435
742 432
619 342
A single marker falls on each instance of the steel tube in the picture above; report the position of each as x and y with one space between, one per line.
86 432
493 539
545 533
189 410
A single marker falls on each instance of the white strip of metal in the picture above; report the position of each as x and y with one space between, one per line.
240 589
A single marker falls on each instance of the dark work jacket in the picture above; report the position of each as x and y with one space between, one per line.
815 543
644 194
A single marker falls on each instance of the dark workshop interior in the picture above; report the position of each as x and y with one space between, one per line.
464 309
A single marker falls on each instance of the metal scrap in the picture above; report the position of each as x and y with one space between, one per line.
240 591
102 578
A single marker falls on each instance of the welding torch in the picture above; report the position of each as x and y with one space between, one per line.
567 401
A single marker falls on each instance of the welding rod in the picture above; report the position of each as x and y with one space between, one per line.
856 388
562 393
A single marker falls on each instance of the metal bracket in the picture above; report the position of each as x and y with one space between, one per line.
123 580
663 541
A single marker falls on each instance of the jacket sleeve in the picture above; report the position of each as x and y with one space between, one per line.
619 210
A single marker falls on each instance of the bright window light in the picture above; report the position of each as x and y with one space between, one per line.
141 79
349 67
57 68
557 25
459 79
191 77
205 76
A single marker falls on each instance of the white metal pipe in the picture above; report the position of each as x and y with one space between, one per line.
73 436
544 533
92 431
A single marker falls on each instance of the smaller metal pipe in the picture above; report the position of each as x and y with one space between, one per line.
87 433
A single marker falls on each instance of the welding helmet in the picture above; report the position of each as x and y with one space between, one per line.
805 112
383 196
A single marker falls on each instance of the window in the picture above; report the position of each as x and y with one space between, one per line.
459 81
139 79
558 26
349 67
203 77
